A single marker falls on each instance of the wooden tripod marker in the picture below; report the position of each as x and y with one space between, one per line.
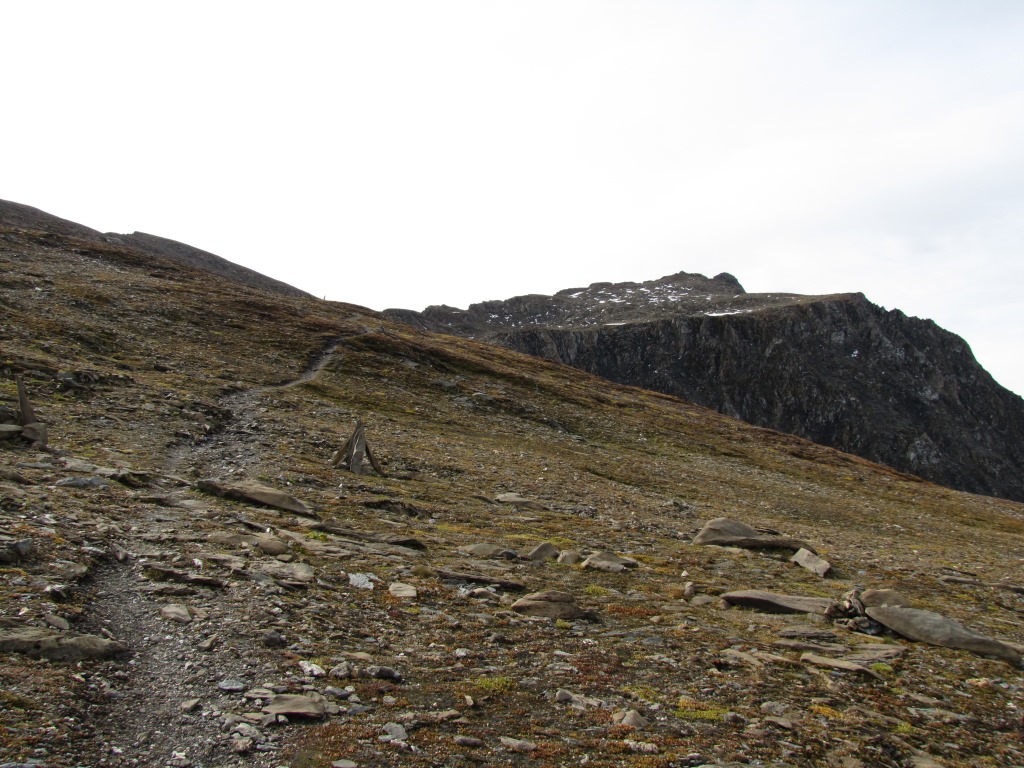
350 455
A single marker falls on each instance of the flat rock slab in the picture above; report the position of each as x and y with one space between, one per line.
518 501
486 551
608 562
724 532
402 591
772 603
291 704
58 646
287 571
936 629
177 612
842 664
816 565
873 598
545 551
256 493
551 604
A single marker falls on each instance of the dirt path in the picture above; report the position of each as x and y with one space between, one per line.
165 704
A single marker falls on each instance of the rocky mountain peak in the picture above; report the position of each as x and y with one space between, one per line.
835 369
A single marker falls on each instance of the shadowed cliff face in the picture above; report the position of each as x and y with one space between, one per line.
838 370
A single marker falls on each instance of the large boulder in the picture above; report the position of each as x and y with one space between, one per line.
57 646
772 603
936 629
256 493
551 604
724 532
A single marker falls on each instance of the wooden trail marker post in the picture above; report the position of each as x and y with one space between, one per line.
350 455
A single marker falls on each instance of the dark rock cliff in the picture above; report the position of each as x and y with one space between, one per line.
838 369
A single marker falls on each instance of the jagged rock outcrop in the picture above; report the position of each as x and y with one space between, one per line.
836 369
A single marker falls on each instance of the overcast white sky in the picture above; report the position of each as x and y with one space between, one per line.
401 154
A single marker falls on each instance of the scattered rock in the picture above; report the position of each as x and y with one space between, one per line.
256 493
58 646
487 551
289 572
13 552
609 562
816 565
402 591
876 598
936 629
383 673
542 552
519 501
847 666
724 532
551 604
394 732
313 705
57 622
177 612
631 718
309 669
274 639
772 603
518 745
271 545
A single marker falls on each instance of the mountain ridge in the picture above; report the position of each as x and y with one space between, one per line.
835 369
189 576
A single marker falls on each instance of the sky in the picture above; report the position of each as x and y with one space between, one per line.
407 153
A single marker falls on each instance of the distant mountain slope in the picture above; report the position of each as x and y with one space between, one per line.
838 370
28 218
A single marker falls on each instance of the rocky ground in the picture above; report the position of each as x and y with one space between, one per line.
186 579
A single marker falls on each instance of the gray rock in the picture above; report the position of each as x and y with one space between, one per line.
300 572
271 545
518 501
568 557
468 741
57 622
518 745
313 705
341 671
630 718
551 604
402 591
309 669
488 551
816 565
842 664
394 732
936 629
383 673
13 552
609 562
256 493
231 685
876 598
772 603
545 551
724 532
177 612
274 639
57 646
